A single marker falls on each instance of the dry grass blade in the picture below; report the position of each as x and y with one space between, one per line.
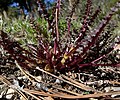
5 81
64 90
82 86
35 78
21 69
73 97
27 92
114 82
48 98
58 94
31 78
67 91
76 85
19 91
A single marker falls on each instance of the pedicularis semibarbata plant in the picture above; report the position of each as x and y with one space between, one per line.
71 51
